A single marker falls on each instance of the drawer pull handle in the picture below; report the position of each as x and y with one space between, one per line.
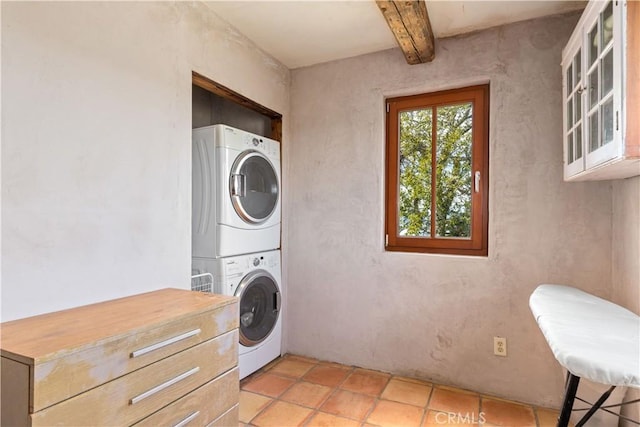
164 385
186 420
164 343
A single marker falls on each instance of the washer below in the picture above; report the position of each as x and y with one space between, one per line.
256 280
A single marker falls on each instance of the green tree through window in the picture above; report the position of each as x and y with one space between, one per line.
437 144
415 172
453 171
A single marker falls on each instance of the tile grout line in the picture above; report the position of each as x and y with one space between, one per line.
268 405
426 406
263 409
299 379
261 372
250 378
333 391
535 414
375 402
315 410
338 387
309 417
348 372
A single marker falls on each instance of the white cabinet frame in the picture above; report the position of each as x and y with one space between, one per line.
617 155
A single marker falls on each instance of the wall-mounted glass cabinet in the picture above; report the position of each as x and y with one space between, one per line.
601 85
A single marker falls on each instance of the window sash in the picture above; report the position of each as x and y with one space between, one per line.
477 244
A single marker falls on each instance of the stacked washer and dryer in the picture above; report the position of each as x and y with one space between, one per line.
236 233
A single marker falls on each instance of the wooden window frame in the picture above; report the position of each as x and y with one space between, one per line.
477 245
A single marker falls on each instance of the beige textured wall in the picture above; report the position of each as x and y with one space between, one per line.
96 143
626 243
626 257
427 315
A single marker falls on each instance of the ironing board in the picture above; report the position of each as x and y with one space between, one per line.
591 338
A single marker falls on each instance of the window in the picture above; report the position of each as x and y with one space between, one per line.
437 172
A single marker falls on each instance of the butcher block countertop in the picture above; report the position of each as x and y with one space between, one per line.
52 335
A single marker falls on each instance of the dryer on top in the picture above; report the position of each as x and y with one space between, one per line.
236 192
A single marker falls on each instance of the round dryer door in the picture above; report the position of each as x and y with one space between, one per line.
259 307
253 187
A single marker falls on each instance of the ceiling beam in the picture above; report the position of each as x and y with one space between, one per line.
409 23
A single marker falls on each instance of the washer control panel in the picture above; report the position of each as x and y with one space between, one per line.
263 261
237 267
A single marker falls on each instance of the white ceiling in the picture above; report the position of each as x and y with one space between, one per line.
306 32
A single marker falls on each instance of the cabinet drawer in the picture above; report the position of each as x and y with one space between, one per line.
201 405
74 373
229 418
132 397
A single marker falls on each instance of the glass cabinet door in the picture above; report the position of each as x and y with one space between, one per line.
602 83
573 88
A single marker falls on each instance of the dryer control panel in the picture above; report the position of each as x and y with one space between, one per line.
262 144
237 139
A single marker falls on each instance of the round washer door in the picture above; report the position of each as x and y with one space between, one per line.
259 307
253 187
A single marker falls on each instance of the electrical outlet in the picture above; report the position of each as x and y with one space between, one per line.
500 346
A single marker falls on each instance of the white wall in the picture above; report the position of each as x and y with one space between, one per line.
427 315
96 143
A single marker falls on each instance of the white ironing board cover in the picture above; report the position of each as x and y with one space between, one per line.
589 336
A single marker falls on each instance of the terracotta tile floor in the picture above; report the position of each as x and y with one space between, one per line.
296 391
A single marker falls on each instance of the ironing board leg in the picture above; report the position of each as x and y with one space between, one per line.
569 397
595 406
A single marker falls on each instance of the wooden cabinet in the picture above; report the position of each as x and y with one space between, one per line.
601 88
167 357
